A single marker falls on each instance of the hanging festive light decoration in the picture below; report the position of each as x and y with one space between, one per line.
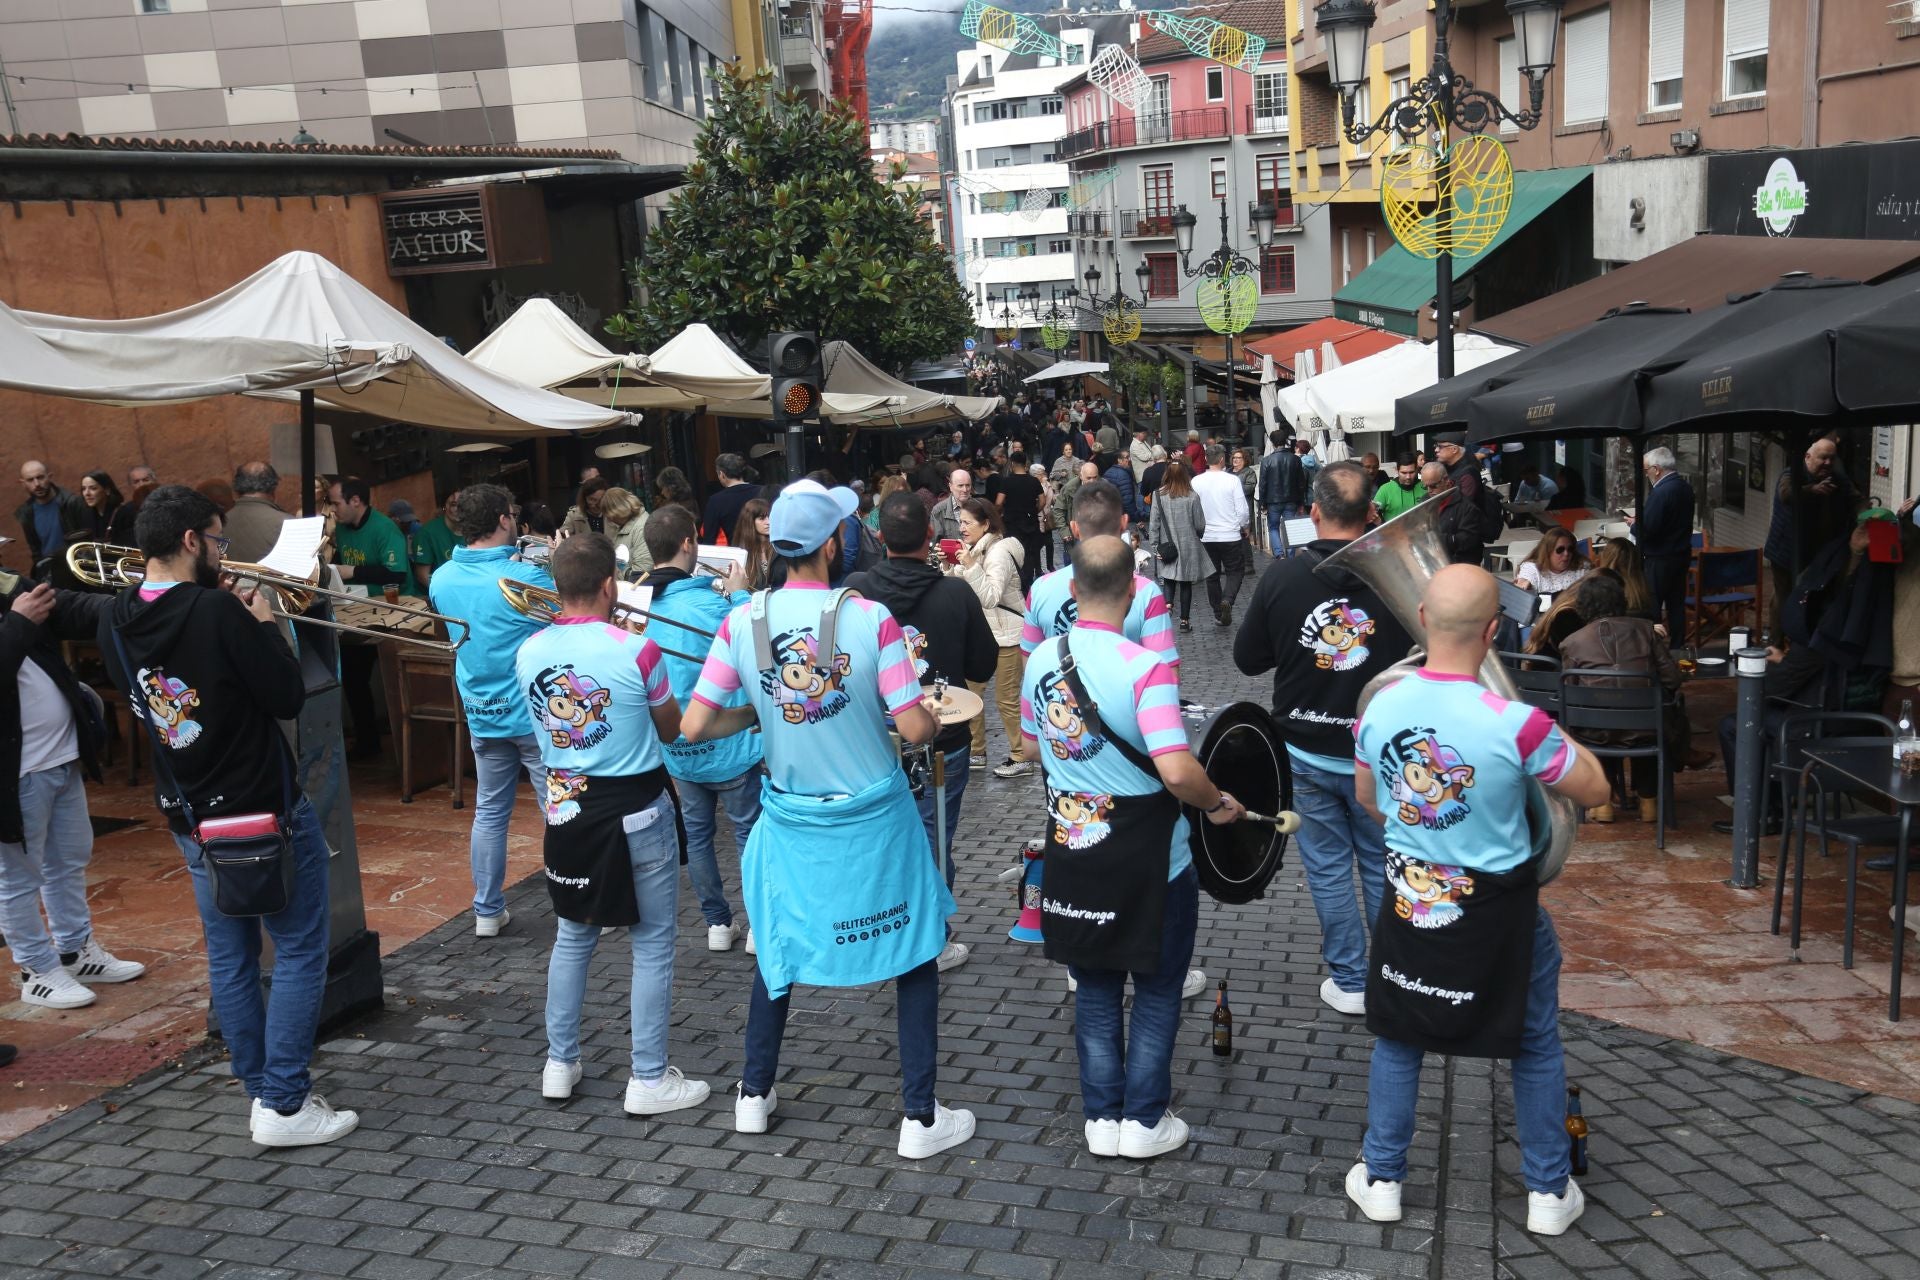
1120 320
1116 73
1227 303
1014 32
1083 193
1210 38
1036 202
1055 337
1475 186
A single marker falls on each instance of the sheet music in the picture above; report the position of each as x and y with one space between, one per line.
636 596
716 561
1299 531
297 549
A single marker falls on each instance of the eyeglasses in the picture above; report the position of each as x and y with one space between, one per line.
219 544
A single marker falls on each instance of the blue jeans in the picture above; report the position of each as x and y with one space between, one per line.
1276 515
916 1015
655 855
1130 1076
1539 1086
270 1034
741 798
49 868
957 771
496 778
1339 840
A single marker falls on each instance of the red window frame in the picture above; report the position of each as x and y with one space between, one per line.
1277 270
1165 280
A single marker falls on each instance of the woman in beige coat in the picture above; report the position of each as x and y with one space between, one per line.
626 522
990 563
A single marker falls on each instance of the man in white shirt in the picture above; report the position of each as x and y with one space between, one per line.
1223 501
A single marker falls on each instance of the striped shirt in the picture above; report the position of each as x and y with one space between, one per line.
1051 609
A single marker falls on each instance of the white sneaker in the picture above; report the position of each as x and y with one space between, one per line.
750 1115
1013 768
1196 983
1348 1002
674 1093
1137 1142
97 964
1103 1137
976 762
721 937
949 1129
490 926
312 1124
1552 1215
952 956
751 949
1072 985
558 1078
1379 1201
56 989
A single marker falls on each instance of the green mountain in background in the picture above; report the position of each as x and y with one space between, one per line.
908 62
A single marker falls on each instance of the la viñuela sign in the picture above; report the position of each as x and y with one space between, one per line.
1780 198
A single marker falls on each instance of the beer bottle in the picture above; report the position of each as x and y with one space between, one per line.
1222 1024
1576 1131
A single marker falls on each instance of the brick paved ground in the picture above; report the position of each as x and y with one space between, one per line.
1703 1165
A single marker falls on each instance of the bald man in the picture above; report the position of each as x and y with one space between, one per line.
1444 763
50 517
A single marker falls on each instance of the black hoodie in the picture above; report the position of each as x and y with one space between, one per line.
946 628
1323 635
217 678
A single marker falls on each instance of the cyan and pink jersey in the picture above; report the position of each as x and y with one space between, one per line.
591 687
1051 609
1449 760
1138 696
823 717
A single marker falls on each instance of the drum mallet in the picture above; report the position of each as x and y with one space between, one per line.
1287 821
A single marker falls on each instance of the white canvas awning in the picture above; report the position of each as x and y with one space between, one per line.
1358 398
1067 369
697 362
301 300
859 393
541 345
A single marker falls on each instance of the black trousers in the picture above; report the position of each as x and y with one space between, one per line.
1667 579
1229 567
1179 595
358 665
1029 540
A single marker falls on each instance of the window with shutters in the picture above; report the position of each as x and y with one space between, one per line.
1276 269
1584 97
1157 186
1509 80
1164 280
1666 42
1270 102
1746 48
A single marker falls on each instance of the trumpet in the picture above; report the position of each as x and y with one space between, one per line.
101 564
542 604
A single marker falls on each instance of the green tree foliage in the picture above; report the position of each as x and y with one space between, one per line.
783 225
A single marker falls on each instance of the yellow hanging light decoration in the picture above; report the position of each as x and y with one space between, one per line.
1055 337
1227 303
1477 190
1006 335
1120 322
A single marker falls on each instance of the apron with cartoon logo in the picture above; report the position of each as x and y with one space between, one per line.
1452 957
589 869
1103 886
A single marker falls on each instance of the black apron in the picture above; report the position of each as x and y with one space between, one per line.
1452 958
1103 886
589 870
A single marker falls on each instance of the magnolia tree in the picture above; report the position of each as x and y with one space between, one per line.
782 224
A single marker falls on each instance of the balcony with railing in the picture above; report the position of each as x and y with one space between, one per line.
1145 224
1266 118
1284 218
1088 224
1150 130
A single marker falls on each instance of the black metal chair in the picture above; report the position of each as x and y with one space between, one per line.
1856 832
1628 702
1537 677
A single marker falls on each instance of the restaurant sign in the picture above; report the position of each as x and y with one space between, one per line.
1857 191
1781 199
474 228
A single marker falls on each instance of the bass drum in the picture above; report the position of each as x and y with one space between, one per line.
1241 750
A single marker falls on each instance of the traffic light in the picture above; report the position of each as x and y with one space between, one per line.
793 359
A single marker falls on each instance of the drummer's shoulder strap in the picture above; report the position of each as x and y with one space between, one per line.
1090 713
826 633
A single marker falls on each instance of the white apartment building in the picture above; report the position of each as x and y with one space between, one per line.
911 136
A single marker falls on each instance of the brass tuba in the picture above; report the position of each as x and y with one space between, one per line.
1398 559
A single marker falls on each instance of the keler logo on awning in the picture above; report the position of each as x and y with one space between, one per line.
1781 198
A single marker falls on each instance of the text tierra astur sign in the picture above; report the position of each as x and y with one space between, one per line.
474 228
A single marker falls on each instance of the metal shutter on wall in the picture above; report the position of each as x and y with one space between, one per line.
1586 60
1666 38
1746 26
1509 80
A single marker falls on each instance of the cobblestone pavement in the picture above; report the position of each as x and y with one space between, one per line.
1702 1165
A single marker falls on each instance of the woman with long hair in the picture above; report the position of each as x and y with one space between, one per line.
1241 464
671 486
1175 523
626 523
102 497
1555 565
584 515
889 485
990 563
751 534
1624 559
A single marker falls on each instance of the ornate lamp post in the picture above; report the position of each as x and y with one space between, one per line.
1441 94
1223 264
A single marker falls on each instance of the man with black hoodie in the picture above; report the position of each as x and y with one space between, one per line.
210 674
1324 635
947 637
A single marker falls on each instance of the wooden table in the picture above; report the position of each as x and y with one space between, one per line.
1874 769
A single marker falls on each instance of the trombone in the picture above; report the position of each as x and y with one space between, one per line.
542 604
101 564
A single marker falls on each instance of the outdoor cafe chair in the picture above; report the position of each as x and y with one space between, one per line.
1632 702
1854 831
1538 679
1724 585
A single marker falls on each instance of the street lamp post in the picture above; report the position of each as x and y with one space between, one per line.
1223 264
1442 94
1098 302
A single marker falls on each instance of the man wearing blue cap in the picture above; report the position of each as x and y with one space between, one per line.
838 876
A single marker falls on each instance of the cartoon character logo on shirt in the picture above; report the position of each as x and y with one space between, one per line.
1081 817
572 707
1336 632
1429 780
1426 894
563 788
167 703
805 691
916 648
1062 725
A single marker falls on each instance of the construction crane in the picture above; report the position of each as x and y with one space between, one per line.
849 26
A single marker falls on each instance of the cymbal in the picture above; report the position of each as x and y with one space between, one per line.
958 707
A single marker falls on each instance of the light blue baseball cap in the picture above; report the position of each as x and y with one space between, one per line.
806 514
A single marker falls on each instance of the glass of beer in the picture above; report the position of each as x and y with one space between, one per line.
391 592
1684 657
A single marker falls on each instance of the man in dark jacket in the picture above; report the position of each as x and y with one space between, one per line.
50 517
1809 511
1470 518
1120 476
1324 634
1664 531
948 639
210 675
1282 489
50 731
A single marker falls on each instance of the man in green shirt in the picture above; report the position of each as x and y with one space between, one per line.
434 541
1402 493
371 553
